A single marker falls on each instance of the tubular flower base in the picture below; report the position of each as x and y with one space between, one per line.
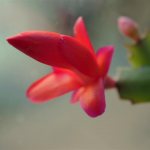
75 67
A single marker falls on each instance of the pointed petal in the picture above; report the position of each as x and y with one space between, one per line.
56 50
104 57
53 85
40 45
79 57
92 98
81 34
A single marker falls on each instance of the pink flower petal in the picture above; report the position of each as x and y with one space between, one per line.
53 85
79 57
104 57
56 50
76 95
81 34
92 98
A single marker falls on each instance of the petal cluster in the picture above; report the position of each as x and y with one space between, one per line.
76 67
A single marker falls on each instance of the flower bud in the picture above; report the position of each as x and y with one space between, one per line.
129 28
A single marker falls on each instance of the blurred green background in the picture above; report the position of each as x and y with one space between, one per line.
57 125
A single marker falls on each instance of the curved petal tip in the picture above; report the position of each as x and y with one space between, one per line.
92 99
104 57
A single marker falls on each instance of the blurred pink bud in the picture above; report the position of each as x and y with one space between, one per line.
129 28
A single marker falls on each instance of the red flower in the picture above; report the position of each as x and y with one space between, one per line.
75 66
